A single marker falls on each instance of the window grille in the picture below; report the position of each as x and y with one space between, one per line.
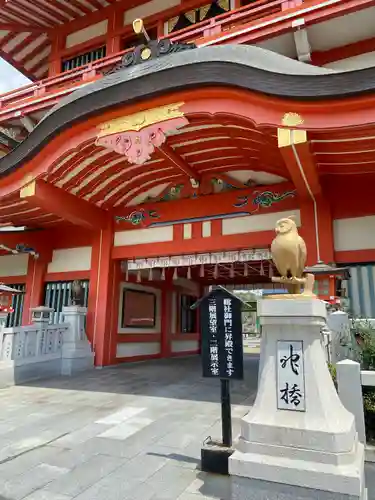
85 58
15 318
58 295
188 317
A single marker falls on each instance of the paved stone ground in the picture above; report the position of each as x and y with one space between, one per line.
128 433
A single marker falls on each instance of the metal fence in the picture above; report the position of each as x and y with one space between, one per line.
361 290
58 294
15 318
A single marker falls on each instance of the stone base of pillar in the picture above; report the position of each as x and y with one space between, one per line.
76 350
255 489
287 446
76 357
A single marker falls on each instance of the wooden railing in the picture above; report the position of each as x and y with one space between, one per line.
45 93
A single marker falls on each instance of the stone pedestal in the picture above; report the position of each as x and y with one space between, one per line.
288 444
76 351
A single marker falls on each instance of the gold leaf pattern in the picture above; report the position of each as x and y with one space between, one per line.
191 15
172 23
203 11
141 119
224 4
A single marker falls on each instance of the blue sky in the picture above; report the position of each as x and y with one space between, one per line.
10 77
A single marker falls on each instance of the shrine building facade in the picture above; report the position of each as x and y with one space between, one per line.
157 144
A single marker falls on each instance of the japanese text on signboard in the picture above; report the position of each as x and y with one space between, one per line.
221 327
228 336
290 376
214 347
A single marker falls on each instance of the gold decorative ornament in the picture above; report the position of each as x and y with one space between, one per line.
28 188
289 136
145 54
292 120
142 119
138 26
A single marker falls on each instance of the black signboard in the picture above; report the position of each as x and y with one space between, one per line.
222 351
221 334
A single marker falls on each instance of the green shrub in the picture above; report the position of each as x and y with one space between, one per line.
365 335
332 371
369 401
369 410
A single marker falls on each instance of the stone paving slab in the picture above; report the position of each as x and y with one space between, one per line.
132 432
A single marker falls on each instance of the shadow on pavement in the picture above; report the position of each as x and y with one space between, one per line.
176 456
177 378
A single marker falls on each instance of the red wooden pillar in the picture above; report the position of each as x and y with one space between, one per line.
115 312
55 61
36 271
115 23
166 315
101 296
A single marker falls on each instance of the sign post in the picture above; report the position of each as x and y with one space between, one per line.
222 358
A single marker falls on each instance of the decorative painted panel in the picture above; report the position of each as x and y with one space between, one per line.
233 203
136 136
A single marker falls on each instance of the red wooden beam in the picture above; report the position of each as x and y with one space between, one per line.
170 155
22 28
302 168
54 200
320 58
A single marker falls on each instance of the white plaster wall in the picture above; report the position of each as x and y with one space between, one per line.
254 223
206 229
130 349
13 265
70 259
86 34
352 63
356 233
185 345
141 236
148 9
188 231
141 288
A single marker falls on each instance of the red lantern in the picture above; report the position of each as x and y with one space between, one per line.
6 296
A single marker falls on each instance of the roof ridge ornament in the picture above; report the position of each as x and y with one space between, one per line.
150 49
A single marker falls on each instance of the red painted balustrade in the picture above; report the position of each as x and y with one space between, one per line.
45 93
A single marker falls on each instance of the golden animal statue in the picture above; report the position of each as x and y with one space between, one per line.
289 253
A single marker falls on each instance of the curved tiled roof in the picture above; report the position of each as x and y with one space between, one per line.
241 66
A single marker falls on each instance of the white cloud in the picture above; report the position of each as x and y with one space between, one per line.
10 78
